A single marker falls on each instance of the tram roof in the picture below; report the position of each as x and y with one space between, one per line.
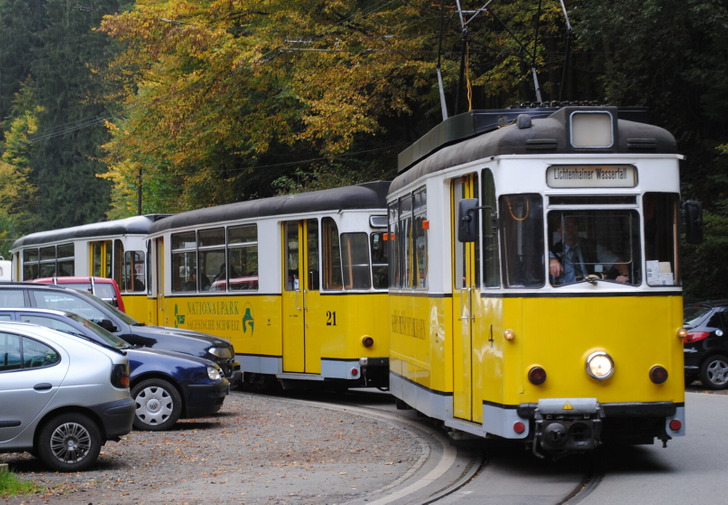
484 133
371 195
134 225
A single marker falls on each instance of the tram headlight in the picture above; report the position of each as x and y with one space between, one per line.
599 365
367 341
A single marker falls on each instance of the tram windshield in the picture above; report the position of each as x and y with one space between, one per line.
591 245
585 244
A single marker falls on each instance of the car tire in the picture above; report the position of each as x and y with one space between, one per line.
69 442
714 372
158 405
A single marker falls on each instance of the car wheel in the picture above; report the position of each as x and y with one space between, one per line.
158 405
69 442
714 372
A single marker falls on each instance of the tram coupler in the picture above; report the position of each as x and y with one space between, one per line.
566 425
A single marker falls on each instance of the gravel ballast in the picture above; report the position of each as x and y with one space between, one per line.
258 450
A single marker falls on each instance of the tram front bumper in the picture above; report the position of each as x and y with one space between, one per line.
567 425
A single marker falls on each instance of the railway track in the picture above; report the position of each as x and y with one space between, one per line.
472 471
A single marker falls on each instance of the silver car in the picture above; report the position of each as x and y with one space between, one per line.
61 397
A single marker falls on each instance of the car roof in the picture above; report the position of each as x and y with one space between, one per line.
63 279
36 310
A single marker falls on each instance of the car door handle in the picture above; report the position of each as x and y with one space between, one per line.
43 386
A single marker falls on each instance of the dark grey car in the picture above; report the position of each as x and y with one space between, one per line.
46 296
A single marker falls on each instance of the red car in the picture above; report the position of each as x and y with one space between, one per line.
102 287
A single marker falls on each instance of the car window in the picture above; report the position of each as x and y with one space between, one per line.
12 298
48 323
717 320
6 317
21 352
37 354
9 352
105 291
694 314
66 301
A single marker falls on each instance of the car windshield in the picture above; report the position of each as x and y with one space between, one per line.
107 337
693 314
79 303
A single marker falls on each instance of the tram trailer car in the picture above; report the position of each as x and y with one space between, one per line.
297 283
114 249
495 330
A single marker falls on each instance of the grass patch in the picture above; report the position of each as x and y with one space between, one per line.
11 485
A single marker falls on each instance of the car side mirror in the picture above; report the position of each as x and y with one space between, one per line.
108 325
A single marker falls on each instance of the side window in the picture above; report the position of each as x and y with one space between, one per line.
521 218
331 255
379 259
184 261
661 245
213 271
243 256
31 264
419 239
12 298
18 352
133 276
355 260
37 354
10 357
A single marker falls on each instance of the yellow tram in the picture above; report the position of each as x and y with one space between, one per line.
114 249
534 278
297 283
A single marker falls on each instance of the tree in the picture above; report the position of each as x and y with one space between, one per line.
18 207
224 97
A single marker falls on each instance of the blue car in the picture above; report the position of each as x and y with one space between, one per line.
165 385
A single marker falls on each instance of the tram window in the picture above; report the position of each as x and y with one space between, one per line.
521 219
491 260
419 239
380 268
355 260
661 224
31 267
594 244
392 245
214 271
133 271
313 255
184 261
65 259
48 261
331 255
243 257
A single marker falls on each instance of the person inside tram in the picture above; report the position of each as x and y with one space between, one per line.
573 258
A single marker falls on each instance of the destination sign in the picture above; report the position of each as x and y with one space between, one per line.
591 176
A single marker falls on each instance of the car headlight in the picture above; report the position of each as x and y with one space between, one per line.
214 372
599 365
221 352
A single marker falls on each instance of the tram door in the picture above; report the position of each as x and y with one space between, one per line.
300 277
157 316
464 294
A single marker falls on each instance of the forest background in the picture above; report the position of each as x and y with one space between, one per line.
111 108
